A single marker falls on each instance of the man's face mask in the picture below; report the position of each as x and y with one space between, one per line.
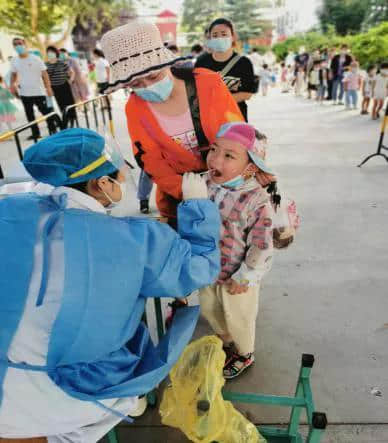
20 49
157 92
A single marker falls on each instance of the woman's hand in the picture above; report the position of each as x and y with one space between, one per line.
235 288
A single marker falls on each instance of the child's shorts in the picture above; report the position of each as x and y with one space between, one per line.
233 315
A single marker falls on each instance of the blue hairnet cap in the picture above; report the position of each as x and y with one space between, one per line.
70 156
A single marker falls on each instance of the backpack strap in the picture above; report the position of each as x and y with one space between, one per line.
230 65
192 97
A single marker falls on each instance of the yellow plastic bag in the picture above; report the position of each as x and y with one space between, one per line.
193 402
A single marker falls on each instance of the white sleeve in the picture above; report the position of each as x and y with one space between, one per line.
41 64
13 66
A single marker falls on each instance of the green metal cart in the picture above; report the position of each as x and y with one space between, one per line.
302 400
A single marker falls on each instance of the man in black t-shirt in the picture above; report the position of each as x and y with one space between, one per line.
240 78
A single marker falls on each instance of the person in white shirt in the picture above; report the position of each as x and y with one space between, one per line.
30 82
257 61
102 70
102 73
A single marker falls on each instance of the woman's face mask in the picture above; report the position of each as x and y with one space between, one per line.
62 56
51 55
157 92
220 44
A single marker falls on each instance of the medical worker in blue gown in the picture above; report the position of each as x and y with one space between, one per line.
74 354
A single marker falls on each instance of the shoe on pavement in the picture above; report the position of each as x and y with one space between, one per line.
141 407
237 364
340 103
144 207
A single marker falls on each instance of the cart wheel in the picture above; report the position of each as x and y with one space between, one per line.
152 399
307 360
319 420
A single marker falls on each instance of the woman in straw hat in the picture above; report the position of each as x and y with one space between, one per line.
173 114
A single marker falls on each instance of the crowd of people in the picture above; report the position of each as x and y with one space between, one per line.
335 75
37 83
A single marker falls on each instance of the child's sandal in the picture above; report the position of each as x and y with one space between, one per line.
230 352
237 364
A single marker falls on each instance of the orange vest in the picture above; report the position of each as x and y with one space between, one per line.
164 159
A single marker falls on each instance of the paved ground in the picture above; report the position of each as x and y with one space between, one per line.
327 294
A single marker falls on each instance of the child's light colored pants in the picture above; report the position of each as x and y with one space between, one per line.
351 98
233 315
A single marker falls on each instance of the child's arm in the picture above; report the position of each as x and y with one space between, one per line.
258 259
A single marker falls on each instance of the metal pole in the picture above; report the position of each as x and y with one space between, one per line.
102 112
112 436
305 370
86 115
76 117
95 114
111 125
159 317
381 141
65 118
19 147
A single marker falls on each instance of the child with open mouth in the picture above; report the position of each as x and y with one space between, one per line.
231 304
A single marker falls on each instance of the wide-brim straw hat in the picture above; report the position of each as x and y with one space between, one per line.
134 50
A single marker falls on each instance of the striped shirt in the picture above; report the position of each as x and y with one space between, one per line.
58 72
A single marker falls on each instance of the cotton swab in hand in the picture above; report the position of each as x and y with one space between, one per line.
206 172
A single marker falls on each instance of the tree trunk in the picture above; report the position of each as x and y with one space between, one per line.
34 16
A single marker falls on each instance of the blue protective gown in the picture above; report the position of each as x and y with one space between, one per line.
71 336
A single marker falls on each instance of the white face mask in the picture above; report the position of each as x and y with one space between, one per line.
123 189
384 71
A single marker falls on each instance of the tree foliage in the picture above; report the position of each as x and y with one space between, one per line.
197 15
372 46
38 20
347 16
245 16
377 12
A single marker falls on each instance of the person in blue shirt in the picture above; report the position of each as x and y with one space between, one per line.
74 354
